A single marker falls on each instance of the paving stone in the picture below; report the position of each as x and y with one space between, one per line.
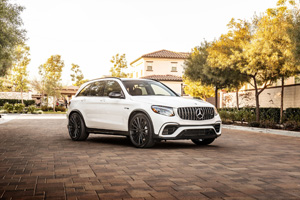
38 160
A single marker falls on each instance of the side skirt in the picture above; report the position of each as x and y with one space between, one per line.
107 132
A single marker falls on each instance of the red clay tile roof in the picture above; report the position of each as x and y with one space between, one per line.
164 54
167 77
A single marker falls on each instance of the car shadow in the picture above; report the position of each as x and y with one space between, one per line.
170 144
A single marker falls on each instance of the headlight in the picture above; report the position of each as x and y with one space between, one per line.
167 111
216 111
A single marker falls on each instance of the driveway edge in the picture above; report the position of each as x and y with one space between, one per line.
263 130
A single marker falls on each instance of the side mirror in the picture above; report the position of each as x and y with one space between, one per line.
115 95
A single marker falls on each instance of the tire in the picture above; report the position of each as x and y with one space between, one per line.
76 127
141 131
203 141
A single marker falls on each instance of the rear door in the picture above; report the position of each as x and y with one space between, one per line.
94 105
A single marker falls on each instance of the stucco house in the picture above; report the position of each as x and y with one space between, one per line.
164 65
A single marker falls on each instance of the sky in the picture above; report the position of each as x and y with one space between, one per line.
89 32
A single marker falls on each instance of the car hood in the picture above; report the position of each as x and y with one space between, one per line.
171 101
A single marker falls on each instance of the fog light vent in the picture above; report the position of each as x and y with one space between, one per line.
170 129
217 127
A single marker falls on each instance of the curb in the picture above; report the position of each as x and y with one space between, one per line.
263 130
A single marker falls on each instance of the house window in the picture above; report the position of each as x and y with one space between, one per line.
137 74
174 67
149 66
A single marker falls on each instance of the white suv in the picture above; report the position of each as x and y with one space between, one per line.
144 110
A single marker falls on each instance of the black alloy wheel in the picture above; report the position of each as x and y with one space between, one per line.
141 131
77 128
203 141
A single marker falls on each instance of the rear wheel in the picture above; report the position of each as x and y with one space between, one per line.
203 141
141 131
77 130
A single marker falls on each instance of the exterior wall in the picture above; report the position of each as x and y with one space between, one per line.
137 69
174 85
15 95
289 81
270 97
160 66
163 66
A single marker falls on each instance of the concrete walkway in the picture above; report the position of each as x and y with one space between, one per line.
8 117
263 130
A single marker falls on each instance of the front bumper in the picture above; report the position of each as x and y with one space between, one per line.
174 131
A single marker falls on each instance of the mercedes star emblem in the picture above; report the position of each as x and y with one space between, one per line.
199 113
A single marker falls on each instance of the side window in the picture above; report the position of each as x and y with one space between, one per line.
112 86
97 88
85 91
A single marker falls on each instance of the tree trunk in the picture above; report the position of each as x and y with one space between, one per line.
54 103
42 99
237 98
281 103
216 97
256 101
22 96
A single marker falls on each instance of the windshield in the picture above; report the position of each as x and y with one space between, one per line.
146 88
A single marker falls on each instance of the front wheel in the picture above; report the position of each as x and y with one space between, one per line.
77 130
203 141
141 131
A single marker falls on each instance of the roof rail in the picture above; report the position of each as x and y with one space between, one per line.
104 78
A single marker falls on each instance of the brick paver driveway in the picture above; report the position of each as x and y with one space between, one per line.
39 161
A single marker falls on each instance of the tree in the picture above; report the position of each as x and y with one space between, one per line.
278 47
11 34
247 55
51 76
39 87
77 75
19 72
197 89
199 69
120 63
219 53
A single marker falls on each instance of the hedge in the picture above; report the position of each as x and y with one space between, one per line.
266 114
14 101
292 114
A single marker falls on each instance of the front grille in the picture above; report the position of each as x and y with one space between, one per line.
197 134
196 113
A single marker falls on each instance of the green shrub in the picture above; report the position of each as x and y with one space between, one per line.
254 124
249 116
19 107
8 107
239 114
224 115
31 109
270 114
14 101
292 114
46 108
268 124
292 125
60 108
